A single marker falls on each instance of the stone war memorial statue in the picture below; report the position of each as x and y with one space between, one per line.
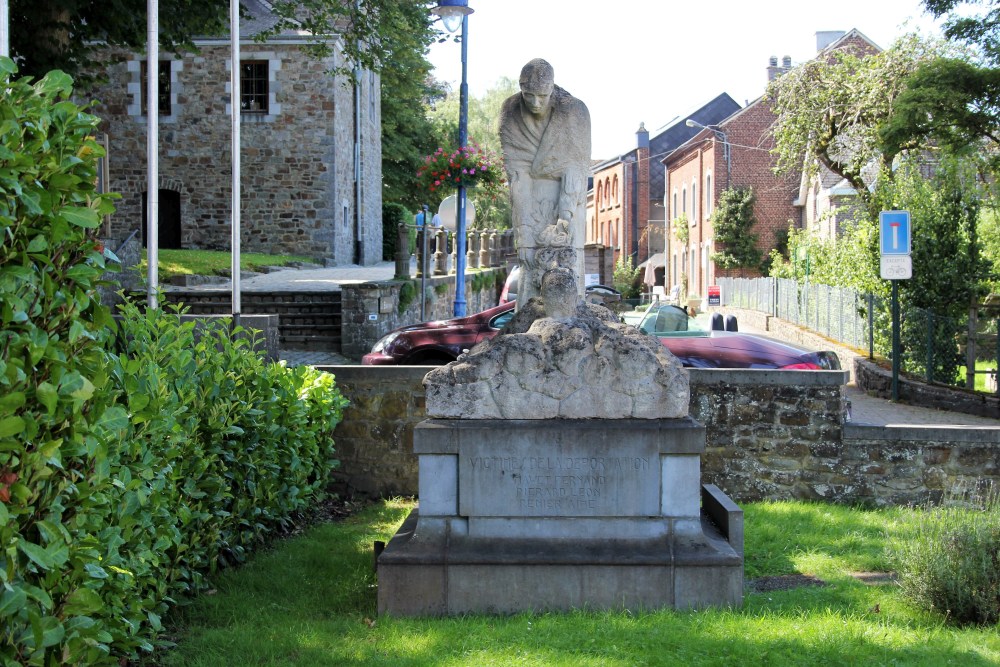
559 467
545 137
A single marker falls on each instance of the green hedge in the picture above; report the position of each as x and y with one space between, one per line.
128 475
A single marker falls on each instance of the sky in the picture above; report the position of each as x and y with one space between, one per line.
650 61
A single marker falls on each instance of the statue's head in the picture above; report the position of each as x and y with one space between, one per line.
537 82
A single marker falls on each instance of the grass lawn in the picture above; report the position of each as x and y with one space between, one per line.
212 262
980 377
310 600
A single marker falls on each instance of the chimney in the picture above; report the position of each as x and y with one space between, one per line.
642 136
773 71
825 38
786 63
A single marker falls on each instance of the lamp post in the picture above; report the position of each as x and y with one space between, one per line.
454 13
720 134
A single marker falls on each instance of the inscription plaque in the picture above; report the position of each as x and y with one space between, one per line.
559 480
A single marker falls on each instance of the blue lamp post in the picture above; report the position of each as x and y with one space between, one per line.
455 13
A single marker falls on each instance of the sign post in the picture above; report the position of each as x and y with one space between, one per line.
895 241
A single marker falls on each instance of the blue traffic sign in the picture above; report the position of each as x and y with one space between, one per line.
894 232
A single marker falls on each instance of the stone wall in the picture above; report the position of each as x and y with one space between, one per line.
370 310
770 435
877 381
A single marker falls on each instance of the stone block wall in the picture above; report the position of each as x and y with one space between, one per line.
771 435
299 190
371 310
374 441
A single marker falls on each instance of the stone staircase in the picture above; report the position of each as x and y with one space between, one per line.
307 321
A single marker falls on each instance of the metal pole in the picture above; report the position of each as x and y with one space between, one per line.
463 131
871 326
996 373
895 340
234 83
930 347
424 241
152 151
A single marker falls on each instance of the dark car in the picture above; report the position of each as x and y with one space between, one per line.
697 346
438 342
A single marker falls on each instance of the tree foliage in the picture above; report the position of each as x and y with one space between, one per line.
733 221
61 34
982 30
407 89
948 102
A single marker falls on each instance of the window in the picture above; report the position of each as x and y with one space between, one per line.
694 202
675 204
708 194
607 192
253 87
684 200
614 190
600 194
163 88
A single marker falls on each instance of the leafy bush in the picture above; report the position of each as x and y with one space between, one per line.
55 417
125 477
626 278
952 565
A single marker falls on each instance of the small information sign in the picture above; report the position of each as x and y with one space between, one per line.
714 295
896 267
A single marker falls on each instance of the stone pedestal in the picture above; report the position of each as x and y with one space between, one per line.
561 514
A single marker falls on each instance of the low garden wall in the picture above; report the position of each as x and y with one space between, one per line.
770 435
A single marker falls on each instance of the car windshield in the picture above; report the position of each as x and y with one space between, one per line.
670 320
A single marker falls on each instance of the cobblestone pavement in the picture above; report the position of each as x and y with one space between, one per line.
864 409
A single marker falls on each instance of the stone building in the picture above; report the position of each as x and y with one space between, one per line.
311 166
625 204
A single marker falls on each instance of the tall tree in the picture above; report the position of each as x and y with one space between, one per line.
982 29
829 112
953 102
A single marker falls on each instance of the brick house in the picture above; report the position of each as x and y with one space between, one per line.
304 188
698 171
625 205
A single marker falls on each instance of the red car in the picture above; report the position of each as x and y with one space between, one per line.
440 342
699 347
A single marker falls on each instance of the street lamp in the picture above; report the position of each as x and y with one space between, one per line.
725 145
454 13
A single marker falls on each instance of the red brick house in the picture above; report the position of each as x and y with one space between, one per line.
736 152
625 204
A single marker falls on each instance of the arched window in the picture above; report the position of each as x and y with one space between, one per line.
600 195
614 190
675 210
684 200
607 192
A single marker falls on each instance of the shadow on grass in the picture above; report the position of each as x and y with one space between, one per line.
311 601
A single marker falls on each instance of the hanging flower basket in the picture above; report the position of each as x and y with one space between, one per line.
472 166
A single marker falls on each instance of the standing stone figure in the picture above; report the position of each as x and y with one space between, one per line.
545 136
